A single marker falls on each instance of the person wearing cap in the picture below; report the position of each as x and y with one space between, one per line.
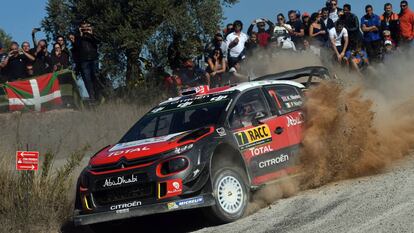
263 36
236 44
306 23
390 22
387 37
406 23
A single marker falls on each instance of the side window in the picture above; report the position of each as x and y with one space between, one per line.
284 99
250 106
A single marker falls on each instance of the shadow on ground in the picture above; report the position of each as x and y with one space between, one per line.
181 221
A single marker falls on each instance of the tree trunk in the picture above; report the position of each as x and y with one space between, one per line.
133 66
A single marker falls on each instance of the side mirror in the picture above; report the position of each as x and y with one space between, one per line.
257 117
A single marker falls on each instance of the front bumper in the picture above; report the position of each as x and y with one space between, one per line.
203 200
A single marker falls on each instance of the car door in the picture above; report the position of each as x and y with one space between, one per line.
264 141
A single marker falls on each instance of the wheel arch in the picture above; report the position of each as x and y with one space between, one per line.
227 154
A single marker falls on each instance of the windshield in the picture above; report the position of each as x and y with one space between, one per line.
179 116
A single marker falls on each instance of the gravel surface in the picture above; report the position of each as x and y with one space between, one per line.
381 203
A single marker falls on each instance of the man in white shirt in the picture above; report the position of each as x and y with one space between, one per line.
236 43
339 40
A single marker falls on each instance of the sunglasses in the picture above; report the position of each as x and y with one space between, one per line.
403 6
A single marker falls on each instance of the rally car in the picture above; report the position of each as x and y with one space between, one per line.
206 148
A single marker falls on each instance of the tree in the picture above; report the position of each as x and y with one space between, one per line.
5 39
131 29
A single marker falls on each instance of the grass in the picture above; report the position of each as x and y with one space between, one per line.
39 201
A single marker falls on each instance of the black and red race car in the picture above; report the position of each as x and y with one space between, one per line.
207 148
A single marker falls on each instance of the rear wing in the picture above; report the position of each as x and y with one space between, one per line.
307 76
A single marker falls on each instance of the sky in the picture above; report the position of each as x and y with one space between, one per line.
21 16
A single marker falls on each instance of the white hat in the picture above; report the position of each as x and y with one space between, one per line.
388 42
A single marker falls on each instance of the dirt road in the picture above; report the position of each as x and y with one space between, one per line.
381 203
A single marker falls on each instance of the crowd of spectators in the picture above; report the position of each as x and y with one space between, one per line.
19 62
334 33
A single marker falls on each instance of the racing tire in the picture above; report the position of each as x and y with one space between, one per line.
231 193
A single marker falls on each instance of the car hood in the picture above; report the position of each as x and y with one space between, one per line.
143 148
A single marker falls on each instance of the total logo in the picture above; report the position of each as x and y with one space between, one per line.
292 121
121 152
260 150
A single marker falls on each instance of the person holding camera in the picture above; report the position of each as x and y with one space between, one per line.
86 47
14 64
236 44
59 59
42 63
263 36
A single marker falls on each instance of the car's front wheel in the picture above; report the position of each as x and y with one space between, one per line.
231 194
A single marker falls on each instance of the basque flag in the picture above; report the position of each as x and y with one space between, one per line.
38 94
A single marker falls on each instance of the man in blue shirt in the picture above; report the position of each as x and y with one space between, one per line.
370 25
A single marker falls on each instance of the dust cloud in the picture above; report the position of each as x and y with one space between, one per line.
355 125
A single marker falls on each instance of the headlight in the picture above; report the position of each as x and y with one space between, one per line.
182 149
172 166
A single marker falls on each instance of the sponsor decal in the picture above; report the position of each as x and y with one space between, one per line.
253 137
260 150
221 131
120 180
185 202
123 211
293 104
121 152
290 98
126 145
293 121
125 205
155 110
173 188
274 161
219 98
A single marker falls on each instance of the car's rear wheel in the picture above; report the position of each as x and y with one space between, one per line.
231 194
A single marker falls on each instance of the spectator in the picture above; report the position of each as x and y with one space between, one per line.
306 23
389 51
298 31
59 59
281 29
86 46
316 32
42 63
30 58
263 35
357 58
217 42
191 75
370 24
390 22
387 37
337 35
216 67
327 24
15 63
175 60
252 44
334 11
64 49
309 48
228 30
3 57
406 23
236 44
351 22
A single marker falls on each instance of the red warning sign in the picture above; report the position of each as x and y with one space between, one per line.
27 160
